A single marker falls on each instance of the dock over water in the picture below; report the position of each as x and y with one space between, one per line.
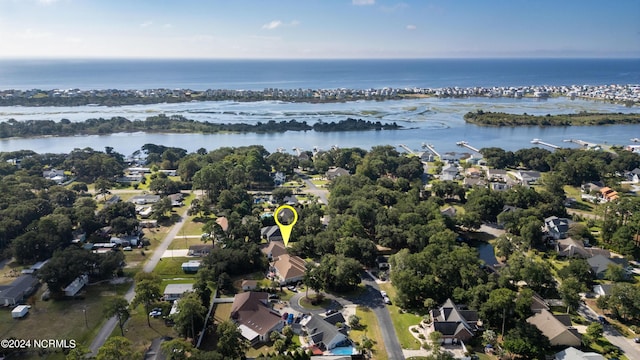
466 144
430 148
407 149
538 141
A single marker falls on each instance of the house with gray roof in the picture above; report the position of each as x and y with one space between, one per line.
557 328
334 172
323 334
454 322
175 291
21 288
600 263
557 227
572 353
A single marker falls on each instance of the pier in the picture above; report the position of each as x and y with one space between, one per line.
431 148
538 141
581 143
466 144
406 148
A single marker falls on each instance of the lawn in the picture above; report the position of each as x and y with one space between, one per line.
183 242
193 225
402 321
222 312
67 315
370 329
138 331
319 182
172 267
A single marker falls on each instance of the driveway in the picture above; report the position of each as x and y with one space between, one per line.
313 189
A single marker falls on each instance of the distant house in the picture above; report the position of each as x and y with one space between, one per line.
191 266
254 317
175 291
449 172
248 285
454 322
289 269
334 172
497 175
572 353
557 227
145 199
591 186
470 182
279 178
76 285
449 211
600 263
527 177
602 289
200 250
176 199
323 334
473 172
271 233
573 248
170 172
21 288
498 186
130 179
557 328
633 176
55 175
608 194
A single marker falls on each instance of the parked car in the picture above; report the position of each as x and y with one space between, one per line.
155 314
292 288
383 293
386 300
127 248
330 312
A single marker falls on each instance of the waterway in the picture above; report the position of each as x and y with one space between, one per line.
428 120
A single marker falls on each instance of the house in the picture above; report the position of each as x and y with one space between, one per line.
497 175
600 263
323 334
573 248
449 172
334 172
633 175
572 353
290 200
271 233
470 182
175 291
200 250
145 199
170 172
454 322
335 318
176 199
248 285
498 186
289 269
591 186
191 266
608 194
21 288
55 175
602 289
473 172
557 328
449 211
76 285
557 227
538 303
527 177
130 179
223 222
274 249
279 178
254 317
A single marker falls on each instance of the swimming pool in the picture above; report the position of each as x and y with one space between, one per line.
343 350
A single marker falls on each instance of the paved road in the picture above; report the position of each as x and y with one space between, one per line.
313 189
630 349
372 299
111 324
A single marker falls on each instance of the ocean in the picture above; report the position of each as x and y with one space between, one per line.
431 120
314 74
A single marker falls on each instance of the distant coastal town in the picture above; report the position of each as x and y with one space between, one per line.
624 94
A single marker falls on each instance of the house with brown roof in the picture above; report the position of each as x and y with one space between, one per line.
557 328
274 249
289 268
454 322
570 247
254 317
608 194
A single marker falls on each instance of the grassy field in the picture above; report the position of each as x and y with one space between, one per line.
62 319
140 333
171 267
319 182
402 321
182 242
370 329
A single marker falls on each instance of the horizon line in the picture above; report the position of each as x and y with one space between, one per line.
17 58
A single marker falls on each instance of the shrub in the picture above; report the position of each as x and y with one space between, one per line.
421 337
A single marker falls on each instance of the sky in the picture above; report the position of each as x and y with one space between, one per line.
319 29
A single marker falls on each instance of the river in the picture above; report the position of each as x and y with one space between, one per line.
430 120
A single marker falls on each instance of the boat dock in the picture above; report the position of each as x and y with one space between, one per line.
538 141
430 148
407 149
466 144
582 143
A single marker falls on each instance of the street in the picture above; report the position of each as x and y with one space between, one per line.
628 346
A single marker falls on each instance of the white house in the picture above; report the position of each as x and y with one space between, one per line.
175 291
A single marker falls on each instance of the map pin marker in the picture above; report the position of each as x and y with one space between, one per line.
285 216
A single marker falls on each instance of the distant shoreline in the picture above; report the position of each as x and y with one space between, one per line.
500 119
628 95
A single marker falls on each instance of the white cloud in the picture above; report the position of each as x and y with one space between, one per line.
146 24
411 27
272 25
363 2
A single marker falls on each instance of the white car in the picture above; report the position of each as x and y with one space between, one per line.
383 293
155 313
386 300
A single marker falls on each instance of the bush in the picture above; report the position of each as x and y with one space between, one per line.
415 330
421 337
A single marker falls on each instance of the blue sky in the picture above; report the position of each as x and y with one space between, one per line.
318 28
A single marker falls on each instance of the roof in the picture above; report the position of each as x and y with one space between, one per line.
320 331
551 326
336 171
179 289
223 222
274 248
335 318
270 231
21 285
453 316
556 224
572 353
289 266
250 309
599 263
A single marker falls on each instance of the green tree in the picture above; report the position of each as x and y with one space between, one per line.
614 273
118 307
231 344
116 348
526 341
147 292
500 304
190 315
80 352
594 331
570 290
177 349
